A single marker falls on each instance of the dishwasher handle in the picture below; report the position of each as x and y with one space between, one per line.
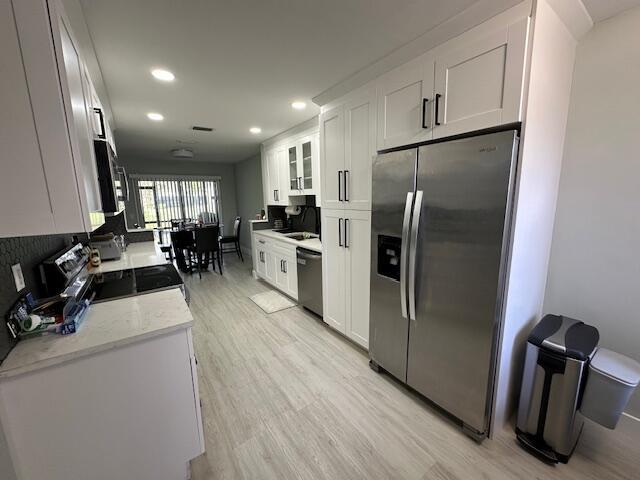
308 254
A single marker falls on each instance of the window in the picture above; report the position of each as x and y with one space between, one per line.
165 199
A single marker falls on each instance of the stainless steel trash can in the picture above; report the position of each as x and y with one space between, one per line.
557 357
611 381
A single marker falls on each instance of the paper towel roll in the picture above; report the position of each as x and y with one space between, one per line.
292 210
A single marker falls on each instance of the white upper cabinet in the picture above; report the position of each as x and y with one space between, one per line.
479 84
359 150
405 102
347 146
332 156
75 93
275 185
471 82
309 165
49 83
25 208
291 167
302 165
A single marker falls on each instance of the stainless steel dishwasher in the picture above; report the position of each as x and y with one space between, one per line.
310 279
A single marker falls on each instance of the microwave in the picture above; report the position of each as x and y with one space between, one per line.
111 177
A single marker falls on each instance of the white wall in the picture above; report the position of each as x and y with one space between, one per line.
248 174
552 59
190 167
594 273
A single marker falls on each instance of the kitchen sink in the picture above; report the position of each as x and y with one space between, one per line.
299 236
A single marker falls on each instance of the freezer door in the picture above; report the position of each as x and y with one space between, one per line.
392 196
460 245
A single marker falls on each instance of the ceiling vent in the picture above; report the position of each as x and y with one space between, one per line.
182 153
199 128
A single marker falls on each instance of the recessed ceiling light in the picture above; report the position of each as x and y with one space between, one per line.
164 75
156 117
299 105
255 130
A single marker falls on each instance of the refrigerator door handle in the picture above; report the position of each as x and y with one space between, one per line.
415 225
403 253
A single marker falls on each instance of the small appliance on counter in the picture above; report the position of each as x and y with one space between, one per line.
567 378
107 245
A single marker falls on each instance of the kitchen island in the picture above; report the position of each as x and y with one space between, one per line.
117 399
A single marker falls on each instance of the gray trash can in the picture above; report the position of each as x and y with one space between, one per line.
557 357
611 381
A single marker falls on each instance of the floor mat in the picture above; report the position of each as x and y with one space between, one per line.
272 301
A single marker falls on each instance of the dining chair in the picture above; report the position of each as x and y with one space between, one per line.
206 242
234 239
182 240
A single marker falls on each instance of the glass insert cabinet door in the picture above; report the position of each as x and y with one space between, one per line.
294 180
307 169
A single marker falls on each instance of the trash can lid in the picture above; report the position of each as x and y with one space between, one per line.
618 367
566 336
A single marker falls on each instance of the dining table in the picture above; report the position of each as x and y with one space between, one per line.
181 238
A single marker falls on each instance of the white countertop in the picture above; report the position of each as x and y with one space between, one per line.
107 325
311 244
140 254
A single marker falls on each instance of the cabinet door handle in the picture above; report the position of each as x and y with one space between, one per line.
300 186
340 232
346 233
425 102
437 109
339 185
284 266
346 182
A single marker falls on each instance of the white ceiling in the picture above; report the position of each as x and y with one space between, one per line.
603 9
238 63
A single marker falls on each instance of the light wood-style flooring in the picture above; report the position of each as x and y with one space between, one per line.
284 397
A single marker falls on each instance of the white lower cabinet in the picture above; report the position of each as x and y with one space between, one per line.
286 277
131 411
275 262
346 243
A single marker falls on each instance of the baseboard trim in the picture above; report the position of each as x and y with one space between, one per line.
628 415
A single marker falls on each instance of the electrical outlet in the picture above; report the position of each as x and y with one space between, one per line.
18 278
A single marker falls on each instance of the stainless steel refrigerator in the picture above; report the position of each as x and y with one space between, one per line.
441 215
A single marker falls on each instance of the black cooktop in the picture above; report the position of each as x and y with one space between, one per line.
129 282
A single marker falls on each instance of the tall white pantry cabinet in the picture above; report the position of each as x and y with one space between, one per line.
47 124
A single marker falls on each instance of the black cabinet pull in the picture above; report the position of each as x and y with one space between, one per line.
425 102
284 266
340 232
340 185
346 181
437 108
346 233
103 131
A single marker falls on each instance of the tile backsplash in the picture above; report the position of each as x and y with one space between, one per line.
29 252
